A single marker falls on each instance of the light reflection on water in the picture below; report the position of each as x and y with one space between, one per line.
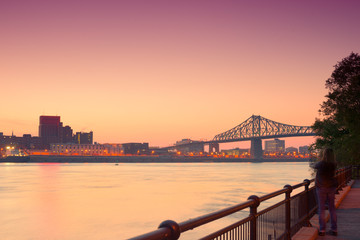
105 201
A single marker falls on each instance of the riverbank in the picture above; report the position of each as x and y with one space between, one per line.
137 159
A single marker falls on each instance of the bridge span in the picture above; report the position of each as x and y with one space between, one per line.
254 129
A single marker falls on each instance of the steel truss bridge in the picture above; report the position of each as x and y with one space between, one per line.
254 129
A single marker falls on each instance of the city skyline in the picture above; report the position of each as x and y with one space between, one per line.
163 71
53 131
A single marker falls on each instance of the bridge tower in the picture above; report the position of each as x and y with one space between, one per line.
213 146
256 148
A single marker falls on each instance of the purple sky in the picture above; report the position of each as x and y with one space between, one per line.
160 71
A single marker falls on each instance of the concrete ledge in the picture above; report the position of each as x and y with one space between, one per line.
340 197
309 233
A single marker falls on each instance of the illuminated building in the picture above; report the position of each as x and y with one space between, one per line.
291 150
99 149
236 152
8 140
135 148
78 149
114 148
67 135
304 149
189 146
275 145
83 138
24 142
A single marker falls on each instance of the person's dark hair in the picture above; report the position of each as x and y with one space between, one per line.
328 155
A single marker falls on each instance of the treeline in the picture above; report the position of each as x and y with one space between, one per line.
339 127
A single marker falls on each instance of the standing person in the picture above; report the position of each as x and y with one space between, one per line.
326 184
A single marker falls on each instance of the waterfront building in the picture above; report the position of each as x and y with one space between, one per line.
99 149
236 152
304 149
78 149
291 150
25 142
275 145
189 146
135 148
114 148
83 138
7 140
158 151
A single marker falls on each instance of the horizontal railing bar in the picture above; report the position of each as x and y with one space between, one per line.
159 234
273 194
298 185
281 191
196 222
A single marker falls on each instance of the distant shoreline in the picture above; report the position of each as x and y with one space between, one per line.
137 159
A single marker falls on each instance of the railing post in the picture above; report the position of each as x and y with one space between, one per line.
287 212
339 181
307 207
343 171
350 173
253 215
174 227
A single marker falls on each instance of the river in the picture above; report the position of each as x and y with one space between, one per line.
107 201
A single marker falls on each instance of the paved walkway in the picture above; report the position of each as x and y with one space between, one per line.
348 214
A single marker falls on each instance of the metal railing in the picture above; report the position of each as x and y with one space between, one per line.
279 221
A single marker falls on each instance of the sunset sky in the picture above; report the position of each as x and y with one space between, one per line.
160 71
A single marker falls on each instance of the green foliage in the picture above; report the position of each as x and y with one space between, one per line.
340 127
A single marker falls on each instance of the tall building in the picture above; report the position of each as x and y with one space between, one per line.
275 145
304 149
67 134
49 130
84 138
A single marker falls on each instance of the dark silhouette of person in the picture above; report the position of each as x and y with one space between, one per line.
326 184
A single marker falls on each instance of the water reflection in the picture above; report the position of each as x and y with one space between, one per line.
105 201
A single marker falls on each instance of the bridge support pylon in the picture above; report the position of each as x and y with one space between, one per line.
256 148
213 146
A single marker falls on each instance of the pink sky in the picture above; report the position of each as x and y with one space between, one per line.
160 71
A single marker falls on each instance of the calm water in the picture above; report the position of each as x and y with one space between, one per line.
105 201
